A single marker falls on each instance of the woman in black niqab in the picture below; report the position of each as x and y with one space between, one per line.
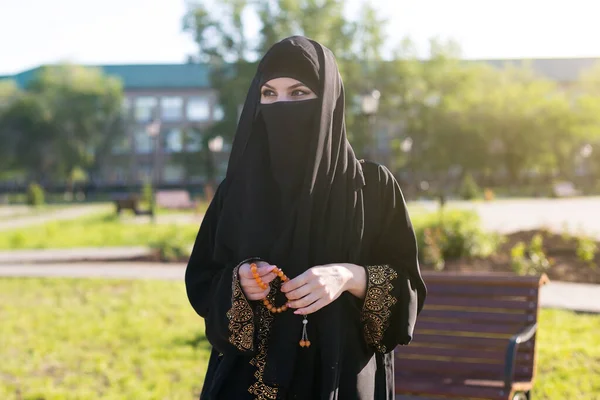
296 196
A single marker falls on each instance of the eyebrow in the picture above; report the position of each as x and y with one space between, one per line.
300 84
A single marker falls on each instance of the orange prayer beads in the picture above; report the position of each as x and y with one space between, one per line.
264 286
304 342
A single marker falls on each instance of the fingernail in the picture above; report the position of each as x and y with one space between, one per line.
297 312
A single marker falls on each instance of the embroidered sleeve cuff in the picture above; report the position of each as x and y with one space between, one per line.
241 317
377 306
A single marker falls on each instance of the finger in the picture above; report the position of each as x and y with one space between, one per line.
265 279
314 307
259 295
269 278
265 269
262 269
253 289
255 297
249 282
265 293
295 283
305 301
300 292
244 271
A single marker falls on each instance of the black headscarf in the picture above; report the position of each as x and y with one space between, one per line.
292 194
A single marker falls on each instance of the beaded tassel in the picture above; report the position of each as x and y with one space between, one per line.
304 342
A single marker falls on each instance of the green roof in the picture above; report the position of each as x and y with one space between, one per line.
143 76
191 75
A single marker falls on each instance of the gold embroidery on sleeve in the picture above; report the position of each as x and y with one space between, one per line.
241 317
261 390
378 303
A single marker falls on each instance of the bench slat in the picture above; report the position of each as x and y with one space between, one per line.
439 388
487 356
447 302
488 291
466 370
476 316
498 279
457 327
426 339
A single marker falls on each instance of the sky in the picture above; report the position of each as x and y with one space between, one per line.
35 32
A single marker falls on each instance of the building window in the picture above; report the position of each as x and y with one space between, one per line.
198 108
172 108
218 113
144 173
117 175
193 141
173 173
122 145
145 108
143 143
173 141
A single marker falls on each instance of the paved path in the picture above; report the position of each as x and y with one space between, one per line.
97 270
571 296
71 255
505 216
72 212
561 295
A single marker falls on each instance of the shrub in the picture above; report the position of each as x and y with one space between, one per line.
451 235
432 252
469 190
172 246
586 249
531 259
35 195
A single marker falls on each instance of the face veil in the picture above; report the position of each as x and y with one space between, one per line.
293 195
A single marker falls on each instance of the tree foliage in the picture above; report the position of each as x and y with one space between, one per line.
65 120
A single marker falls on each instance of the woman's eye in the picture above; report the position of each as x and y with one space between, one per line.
268 93
299 92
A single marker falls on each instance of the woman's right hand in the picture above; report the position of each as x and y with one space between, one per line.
248 283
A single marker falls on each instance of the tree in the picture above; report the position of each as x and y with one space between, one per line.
66 118
9 93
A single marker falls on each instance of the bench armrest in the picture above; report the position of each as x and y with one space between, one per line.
511 352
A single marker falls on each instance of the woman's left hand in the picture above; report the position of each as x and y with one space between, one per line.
321 285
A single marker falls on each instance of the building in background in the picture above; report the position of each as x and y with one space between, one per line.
180 96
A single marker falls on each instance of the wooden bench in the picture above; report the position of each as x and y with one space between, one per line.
129 202
475 338
175 199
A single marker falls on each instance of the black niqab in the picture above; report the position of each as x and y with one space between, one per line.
292 197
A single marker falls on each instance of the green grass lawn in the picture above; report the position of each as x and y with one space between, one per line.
107 339
94 231
107 229
99 339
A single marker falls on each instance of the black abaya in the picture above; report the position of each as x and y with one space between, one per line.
373 327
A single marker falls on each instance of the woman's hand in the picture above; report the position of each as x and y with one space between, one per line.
248 283
321 285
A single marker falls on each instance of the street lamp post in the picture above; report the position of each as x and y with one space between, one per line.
369 104
153 132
